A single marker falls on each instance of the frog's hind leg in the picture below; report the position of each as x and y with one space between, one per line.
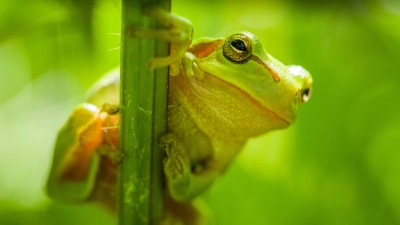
83 129
74 165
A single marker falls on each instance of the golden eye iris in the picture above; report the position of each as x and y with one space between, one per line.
237 48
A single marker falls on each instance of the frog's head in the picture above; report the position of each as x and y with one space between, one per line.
241 61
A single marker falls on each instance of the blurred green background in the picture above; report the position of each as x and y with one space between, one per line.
339 164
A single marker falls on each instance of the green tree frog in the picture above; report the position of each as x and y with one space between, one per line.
222 91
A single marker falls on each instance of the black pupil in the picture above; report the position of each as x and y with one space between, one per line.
239 45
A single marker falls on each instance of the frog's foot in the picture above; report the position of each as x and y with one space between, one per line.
109 148
176 169
110 109
178 31
114 155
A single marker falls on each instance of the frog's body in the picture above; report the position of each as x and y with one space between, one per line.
221 92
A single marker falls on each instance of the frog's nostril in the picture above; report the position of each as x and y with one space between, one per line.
305 94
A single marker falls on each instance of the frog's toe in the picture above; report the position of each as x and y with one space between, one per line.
168 143
117 158
155 63
114 156
111 109
159 62
173 168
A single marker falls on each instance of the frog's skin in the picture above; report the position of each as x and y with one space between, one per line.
221 92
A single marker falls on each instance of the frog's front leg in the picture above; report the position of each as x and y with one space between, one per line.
184 180
178 31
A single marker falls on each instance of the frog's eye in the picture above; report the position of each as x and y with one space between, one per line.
237 48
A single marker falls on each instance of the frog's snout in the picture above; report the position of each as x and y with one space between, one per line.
304 81
305 94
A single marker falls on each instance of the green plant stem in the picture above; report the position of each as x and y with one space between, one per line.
143 120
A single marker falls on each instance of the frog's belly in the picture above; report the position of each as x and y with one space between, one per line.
190 139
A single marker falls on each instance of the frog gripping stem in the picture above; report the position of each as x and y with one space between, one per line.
177 30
